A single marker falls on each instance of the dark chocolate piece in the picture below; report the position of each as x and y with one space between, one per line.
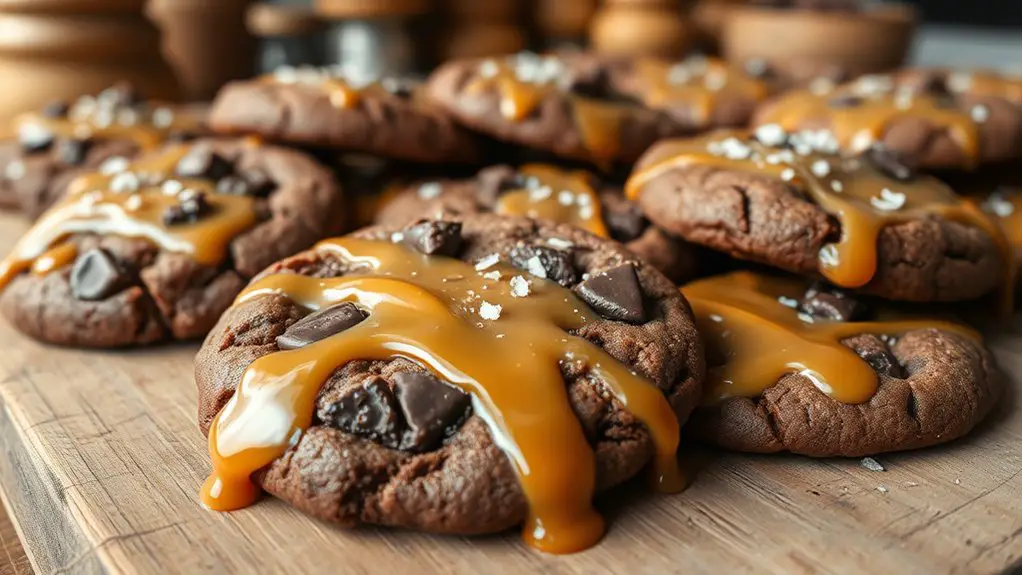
430 407
434 237
615 294
321 325
545 262
95 276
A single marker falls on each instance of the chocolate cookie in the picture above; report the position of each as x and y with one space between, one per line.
928 124
562 104
548 192
64 140
788 201
453 377
158 248
331 108
806 371
698 93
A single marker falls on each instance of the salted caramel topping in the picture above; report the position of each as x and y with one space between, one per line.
524 80
346 87
986 83
468 327
132 203
147 125
858 114
698 83
1006 205
863 199
752 323
562 196
56 258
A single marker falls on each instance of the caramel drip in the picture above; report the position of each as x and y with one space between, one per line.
599 123
56 258
561 196
862 199
1006 205
858 127
699 87
994 85
141 129
427 309
760 339
91 207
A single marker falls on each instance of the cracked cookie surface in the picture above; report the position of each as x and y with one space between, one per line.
352 469
846 385
111 291
332 109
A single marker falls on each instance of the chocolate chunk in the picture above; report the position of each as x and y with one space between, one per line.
545 262
202 162
369 410
430 407
889 164
73 152
321 325
251 182
192 206
845 101
56 109
878 356
95 276
434 237
34 137
827 302
615 294
627 223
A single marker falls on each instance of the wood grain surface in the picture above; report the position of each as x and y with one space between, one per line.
13 560
102 463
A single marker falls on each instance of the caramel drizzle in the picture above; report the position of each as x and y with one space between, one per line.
599 123
1006 205
859 126
426 308
697 84
557 195
142 130
92 207
741 316
863 200
990 84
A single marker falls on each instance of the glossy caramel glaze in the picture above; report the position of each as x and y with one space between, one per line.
473 330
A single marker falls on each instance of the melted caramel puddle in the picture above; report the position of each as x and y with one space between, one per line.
426 309
598 123
561 196
867 201
858 127
91 207
699 85
761 339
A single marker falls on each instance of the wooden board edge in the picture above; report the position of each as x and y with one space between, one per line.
49 534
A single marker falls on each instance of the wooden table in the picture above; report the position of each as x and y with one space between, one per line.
102 463
13 560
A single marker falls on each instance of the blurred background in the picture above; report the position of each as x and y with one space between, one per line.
187 49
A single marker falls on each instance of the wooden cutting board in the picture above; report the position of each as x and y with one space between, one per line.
102 463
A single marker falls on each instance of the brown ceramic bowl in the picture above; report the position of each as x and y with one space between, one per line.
802 43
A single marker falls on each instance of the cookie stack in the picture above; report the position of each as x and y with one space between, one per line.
510 338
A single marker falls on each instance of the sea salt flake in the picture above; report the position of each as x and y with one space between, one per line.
134 203
559 243
519 286
998 205
788 174
488 69
171 188
124 182
821 168
872 464
114 165
540 193
15 170
535 267
888 200
490 311
494 275
429 190
163 117
771 135
837 186
882 489
487 262
788 302
980 113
